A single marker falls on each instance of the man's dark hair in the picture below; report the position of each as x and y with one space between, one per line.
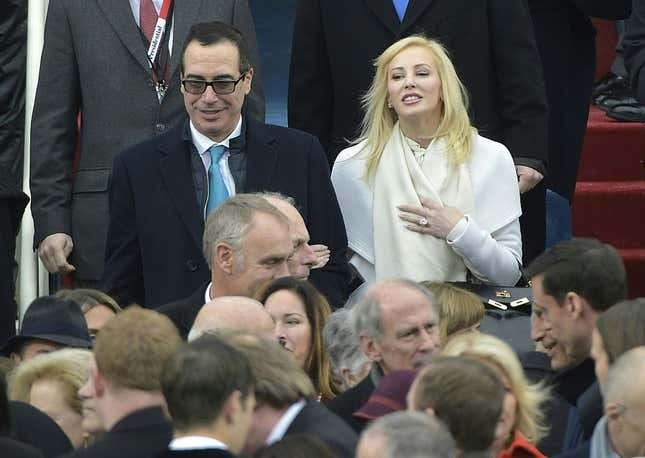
210 33
587 267
200 377
466 395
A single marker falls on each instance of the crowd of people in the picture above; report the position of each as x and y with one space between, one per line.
230 295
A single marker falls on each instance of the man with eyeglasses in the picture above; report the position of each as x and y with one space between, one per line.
96 63
163 190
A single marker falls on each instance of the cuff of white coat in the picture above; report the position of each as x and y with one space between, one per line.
459 230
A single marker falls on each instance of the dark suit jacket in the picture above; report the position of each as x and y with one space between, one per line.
31 426
142 434
196 453
352 400
94 61
491 44
183 312
566 40
316 420
14 449
154 248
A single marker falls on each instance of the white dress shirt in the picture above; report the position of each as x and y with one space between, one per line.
134 5
203 143
285 421
196 442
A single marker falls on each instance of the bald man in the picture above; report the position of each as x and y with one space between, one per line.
233 312
304 257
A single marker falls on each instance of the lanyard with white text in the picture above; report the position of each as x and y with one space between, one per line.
158 36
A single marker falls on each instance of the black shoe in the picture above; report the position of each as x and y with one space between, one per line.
607 102
610 84
628 113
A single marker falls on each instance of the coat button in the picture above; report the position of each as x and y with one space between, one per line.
191 265
160 128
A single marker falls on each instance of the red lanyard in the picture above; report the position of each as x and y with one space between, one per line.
160 28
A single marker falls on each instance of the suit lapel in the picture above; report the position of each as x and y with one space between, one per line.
119 15
186 13
177 176
261 154
385 12
414 10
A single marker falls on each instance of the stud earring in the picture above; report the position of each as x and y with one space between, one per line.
389 105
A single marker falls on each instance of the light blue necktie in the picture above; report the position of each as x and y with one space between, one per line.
400 6
217 192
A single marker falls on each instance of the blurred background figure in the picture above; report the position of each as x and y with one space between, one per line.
522 424
406 435
297 446
49 324
208 387
13 62
50 382
285 399
300 312
97 307
232 312
624 402
460 311
467 396
349 364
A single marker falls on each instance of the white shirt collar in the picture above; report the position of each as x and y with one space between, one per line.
283 424
202 142
207 294
196 442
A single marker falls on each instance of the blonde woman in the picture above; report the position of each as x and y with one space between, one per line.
521 424
50 382
460 311
423 195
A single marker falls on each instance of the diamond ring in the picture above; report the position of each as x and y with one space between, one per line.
423 222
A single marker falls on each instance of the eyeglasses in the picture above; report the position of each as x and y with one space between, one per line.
220 87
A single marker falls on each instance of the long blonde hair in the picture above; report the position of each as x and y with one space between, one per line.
379 120
530 419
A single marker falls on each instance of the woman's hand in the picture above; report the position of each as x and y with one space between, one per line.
322 255
431 218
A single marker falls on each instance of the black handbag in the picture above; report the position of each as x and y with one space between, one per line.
501 297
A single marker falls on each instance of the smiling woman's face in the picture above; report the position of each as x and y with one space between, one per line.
292 327
413 85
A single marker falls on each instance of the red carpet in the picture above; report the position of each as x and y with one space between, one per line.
609 203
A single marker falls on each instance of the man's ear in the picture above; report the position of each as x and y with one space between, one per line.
574 304
98 381
224 257
15 357
614 411
371 348
248 81
231 407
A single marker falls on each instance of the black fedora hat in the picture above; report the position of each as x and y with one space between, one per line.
54 320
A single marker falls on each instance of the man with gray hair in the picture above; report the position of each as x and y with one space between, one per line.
232 312
349 364
406 435
246 243
622 429
397 325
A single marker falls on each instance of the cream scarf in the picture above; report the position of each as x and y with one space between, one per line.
404 173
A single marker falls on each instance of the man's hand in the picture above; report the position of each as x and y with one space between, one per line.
54 251
528 178
322 255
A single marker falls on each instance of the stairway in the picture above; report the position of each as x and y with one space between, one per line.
609 202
